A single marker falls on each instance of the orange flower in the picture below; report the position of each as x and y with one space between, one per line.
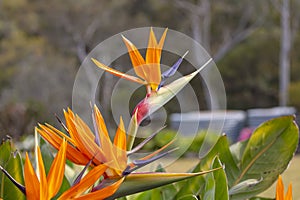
147 69
85 146
280 191
44 188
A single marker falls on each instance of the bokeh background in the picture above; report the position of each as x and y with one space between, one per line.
42 44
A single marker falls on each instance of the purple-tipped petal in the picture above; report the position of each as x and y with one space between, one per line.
80 175
62 124
141 163
170 72
139 146
97 139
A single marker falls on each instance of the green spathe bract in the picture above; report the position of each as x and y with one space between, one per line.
11 161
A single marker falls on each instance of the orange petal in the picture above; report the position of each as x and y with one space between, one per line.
157 151
83 138
57 170
289 194
58 132
85 183
118 73
32 184
120 146
72 153
279 189
137 60
102 193
43 179
106 144
87 142
100 123
153 55
120 137
162 41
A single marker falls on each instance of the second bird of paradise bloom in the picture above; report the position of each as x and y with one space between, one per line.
41 187
83 147
280 191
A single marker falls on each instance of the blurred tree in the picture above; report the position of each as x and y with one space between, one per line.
42 44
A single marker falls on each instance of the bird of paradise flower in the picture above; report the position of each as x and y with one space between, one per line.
149 74
41 187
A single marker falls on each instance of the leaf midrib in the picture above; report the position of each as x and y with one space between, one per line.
256 157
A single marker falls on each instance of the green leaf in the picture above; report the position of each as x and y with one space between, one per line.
132 130
216 183
261 198
48 159
237 151
5 150
137 182
12 163
221 148
166 192
221 186
188 197
266 155
210 187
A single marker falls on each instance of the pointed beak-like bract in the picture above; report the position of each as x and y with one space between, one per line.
154 101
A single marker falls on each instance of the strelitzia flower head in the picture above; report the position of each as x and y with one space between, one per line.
280 191
85 147
149 74
38 186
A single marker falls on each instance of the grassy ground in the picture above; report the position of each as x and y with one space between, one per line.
291 175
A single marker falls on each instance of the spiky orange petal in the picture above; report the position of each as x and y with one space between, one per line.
106 145
279 189
85 183
289 194
102 193
120 145
42 175
118 73
87 142
153 56
72 153
57 169
137 60
32 183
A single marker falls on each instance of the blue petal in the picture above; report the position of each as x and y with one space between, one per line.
170 72
138 147
79 177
